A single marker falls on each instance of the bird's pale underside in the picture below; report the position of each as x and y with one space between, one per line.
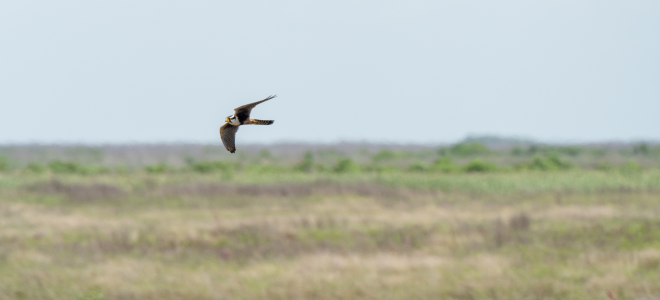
240 117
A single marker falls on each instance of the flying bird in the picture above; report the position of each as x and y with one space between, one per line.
240 117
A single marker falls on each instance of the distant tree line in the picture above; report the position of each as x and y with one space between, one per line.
465 157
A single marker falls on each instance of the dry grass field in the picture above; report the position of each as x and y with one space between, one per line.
531 235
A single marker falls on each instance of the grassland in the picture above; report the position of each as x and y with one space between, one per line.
222 230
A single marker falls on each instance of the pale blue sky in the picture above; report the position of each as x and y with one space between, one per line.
381 71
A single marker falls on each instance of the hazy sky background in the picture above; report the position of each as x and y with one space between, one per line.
380 71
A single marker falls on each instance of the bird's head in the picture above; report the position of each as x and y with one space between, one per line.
232 119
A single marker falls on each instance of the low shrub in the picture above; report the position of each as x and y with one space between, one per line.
66 167
546 163
630 167
480 166
384 155
210 166
444 164
158 168
35 167
347 165
417 167
306 164
466 149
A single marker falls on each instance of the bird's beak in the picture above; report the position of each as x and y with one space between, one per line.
226 119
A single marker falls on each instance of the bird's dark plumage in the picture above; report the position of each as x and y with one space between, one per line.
228 136
243 112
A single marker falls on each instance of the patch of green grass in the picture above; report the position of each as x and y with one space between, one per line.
4 164
571 181
91 296
158 168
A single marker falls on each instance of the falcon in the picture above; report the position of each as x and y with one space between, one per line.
240 117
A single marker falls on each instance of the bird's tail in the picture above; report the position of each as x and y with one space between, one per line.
262 122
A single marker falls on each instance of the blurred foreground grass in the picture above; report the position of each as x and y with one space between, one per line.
265 235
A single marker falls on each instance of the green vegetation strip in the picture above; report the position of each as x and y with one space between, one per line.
513 182
574 181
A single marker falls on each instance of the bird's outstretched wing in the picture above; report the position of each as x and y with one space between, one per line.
228 136
243 112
